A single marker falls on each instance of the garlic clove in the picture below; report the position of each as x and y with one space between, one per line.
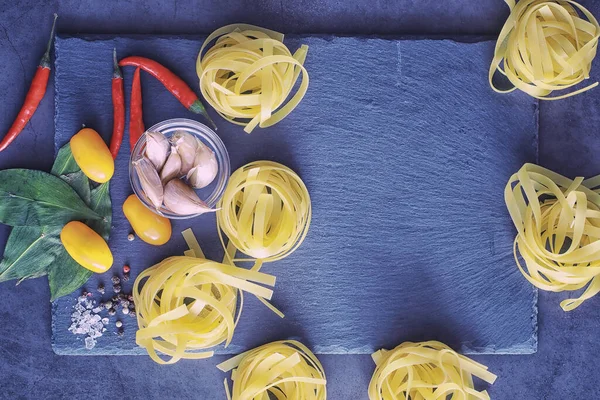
182 200
157 148
186 145
150 181
205 167
172 167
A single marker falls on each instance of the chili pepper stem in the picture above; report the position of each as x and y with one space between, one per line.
45 62
198 108
116 69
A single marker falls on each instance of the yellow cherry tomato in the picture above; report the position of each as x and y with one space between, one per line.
92 155
150 227
86 247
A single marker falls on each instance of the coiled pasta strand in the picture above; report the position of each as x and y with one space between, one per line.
558 231
187 305
286 369
546 46
427 370
248 75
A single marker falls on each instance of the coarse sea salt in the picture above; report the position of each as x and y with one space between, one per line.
89 343
86 321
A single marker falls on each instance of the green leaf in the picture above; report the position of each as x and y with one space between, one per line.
33 251
101 204
36 198
29 251
65 163
67 169
80 183
65 275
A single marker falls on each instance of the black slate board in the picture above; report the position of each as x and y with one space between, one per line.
405 151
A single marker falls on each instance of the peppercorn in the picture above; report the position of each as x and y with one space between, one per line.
108 305
117 288
130 298
115 298
131 306
101 289
112 311
125 277
118 324
115 280
130 237
121 332
84 293
125 311
132 313
126 269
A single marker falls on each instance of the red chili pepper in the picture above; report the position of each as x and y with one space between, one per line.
136 120
118 100
36 93
172 82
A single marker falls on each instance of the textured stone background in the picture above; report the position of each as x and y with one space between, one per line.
406 161
563 368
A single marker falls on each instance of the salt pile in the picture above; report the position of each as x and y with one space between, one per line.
86 321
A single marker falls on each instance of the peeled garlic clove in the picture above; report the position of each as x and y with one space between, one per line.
150 181
172 167
181 199
157 148
205 167
186 145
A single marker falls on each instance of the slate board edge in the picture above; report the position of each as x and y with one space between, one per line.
90 37
527 347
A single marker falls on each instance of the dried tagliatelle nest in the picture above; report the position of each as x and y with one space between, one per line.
546 46
248 75
265 211
285 370
187 305
558 231
427 370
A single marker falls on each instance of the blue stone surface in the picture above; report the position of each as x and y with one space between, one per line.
563 367
405 151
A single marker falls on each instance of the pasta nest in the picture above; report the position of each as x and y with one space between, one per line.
265 211
248 75
558 231
427 370
286 370
189 304
546 45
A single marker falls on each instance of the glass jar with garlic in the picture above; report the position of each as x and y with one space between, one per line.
179 168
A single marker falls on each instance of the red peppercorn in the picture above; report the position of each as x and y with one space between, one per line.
126 269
